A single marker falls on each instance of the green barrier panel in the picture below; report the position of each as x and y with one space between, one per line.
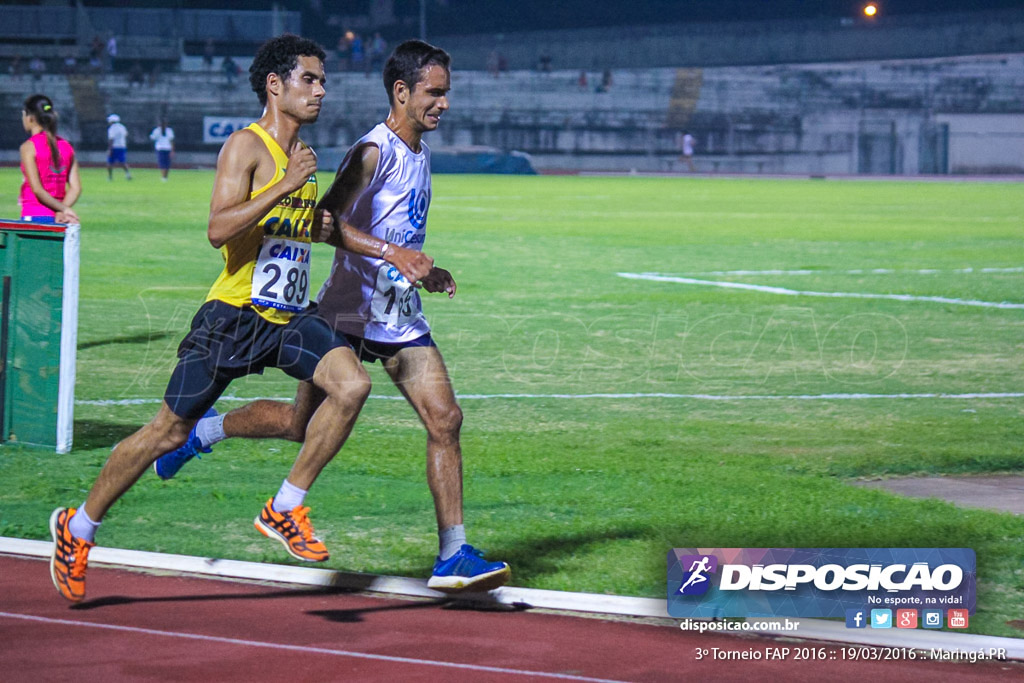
38 334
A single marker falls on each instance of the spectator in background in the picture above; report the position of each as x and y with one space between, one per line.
208 53
493 60
16 69
356 53
51 184
231 70
117 147
544 64
37 67
581 82
163 141
378 52
111 52
136 76
606 81
96 51
70 65
344 51
687 155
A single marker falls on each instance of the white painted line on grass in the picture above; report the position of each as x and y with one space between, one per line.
696 397
305 649
810 629
862 271
654 277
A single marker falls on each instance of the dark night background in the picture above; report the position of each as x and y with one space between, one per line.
468 16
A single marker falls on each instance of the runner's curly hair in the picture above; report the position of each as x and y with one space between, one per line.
280 55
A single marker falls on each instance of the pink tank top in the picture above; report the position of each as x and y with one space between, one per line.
53 176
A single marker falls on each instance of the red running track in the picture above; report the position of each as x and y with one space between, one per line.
136 626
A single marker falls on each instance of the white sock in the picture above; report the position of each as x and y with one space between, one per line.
288 497
451 540
81 526
210 430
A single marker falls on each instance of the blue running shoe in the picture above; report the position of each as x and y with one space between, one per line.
467 570
168 464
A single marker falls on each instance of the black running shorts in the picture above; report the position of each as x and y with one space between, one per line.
227 342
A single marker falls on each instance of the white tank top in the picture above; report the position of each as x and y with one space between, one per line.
367 296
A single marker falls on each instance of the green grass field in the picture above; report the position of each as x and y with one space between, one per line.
589 493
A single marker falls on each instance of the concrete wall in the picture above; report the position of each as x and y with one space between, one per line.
985 143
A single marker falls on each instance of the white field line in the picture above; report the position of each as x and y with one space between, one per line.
654 277
306 649
862 271
696 397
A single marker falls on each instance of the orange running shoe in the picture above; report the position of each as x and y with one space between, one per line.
70 555
294 530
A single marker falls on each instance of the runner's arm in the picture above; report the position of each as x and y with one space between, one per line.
232 211
353 177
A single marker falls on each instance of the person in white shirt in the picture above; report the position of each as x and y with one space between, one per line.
687 155
117 147
163 140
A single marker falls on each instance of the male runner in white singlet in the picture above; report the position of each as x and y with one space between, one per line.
379 200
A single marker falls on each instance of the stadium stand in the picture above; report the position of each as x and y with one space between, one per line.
152 36
950 114
741 43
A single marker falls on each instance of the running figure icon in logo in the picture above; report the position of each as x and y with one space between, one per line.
696 581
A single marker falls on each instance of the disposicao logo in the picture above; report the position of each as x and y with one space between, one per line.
817 582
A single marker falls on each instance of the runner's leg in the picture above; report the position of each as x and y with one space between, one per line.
274 419
132 456
345 385
420 374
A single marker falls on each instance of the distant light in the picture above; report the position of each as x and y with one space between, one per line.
870 9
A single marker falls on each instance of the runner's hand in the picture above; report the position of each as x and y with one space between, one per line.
413 265
301 165
323 226
439 280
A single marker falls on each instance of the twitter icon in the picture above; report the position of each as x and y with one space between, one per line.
881 618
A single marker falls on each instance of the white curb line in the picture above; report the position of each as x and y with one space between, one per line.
810 629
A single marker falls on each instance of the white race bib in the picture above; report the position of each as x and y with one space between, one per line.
395 302
281 276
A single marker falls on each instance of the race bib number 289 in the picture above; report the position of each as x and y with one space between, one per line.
281 277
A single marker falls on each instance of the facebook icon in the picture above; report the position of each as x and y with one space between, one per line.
856 618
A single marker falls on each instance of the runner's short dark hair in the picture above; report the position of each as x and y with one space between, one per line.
280 55
408 61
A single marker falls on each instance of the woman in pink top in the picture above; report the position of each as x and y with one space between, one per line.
49 166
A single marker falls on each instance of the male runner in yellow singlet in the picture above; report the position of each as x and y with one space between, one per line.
257 315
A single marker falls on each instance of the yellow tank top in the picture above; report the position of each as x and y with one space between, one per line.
290 220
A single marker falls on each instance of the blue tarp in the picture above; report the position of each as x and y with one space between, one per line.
451 161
